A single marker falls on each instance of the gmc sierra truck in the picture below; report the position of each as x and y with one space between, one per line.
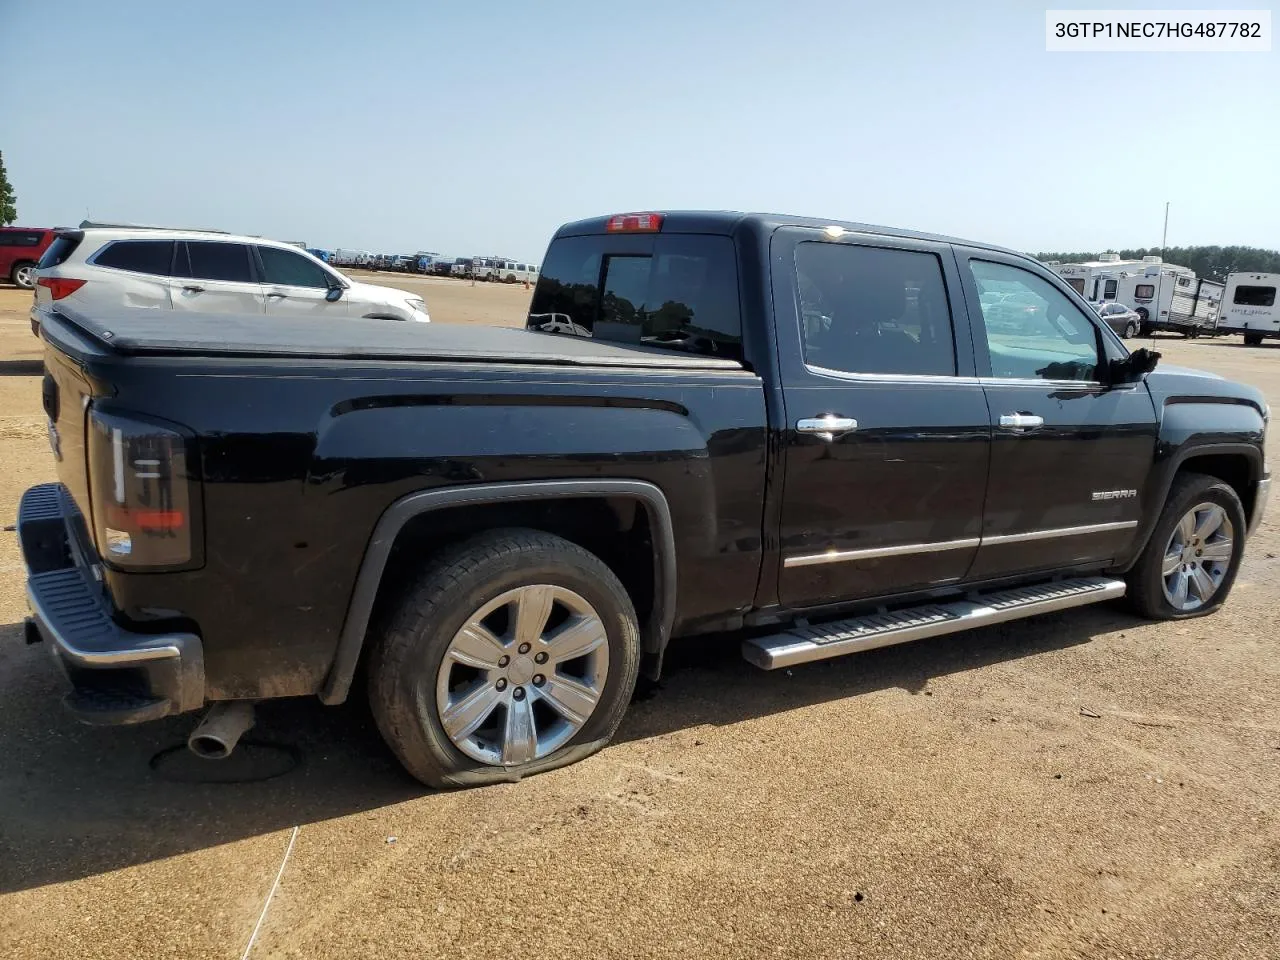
827 436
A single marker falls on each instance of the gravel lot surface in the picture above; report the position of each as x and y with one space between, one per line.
946 799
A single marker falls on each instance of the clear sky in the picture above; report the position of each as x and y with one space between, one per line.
478 127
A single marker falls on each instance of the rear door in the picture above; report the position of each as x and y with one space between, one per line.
294 285
1070 453
887 435
216 276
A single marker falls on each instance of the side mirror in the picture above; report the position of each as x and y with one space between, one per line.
334 294
1136 366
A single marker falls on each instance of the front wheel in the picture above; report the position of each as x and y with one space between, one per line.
1190 562
24 275
513 653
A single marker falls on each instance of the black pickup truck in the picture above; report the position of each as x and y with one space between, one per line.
828 436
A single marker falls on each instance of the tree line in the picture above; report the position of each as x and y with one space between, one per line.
1212 263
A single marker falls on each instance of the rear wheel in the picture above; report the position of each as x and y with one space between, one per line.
1253 339
1131 329
514 653
24 275
1190 562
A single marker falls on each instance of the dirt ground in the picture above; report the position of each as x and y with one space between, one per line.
946 799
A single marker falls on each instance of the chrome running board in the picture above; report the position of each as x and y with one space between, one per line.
835 639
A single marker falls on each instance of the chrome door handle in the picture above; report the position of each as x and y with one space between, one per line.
1020 421
826 427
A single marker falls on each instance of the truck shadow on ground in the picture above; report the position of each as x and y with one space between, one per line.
78 801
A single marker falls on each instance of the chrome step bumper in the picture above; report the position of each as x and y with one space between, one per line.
835 639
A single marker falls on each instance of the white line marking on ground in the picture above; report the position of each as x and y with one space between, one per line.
262 916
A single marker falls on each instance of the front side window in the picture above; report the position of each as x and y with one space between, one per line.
1255 296
212 260
1035 332
291 269
680 294
874 310
139 256
1144 291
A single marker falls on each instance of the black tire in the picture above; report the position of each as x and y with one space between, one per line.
1253 339
407 656
1131 329
1145 581
23 275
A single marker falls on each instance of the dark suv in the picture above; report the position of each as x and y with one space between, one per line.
20 251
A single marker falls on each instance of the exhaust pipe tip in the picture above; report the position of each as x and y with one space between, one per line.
215 737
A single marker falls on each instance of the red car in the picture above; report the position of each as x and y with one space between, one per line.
20 251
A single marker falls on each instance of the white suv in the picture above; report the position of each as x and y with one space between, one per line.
205 272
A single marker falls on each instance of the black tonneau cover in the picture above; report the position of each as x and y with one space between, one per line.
146 332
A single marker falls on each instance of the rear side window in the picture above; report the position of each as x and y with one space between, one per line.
21 238
1144 291
1255 296
140 256
211 260
677 292
291 269
1077 284
1109 289
874 310
62 247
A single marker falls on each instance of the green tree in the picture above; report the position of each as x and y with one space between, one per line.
8 202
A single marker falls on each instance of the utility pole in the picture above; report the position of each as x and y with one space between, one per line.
1164 236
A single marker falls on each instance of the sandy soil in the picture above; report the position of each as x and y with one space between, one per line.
945 799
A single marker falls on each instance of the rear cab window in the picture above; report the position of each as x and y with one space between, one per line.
673 291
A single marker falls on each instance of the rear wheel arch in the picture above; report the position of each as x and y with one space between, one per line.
375 578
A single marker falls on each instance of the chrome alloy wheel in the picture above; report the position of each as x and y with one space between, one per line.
523 675
1197 557
25 276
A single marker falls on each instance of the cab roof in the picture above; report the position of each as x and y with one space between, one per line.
729 222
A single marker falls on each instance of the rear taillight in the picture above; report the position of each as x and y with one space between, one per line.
60 287
141 492
635 223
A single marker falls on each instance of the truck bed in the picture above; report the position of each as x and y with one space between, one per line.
140 332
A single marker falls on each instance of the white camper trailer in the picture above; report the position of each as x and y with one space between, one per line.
1249 306
1165 295
1098 281
1174 299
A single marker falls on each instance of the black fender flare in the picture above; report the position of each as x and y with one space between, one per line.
655 633
1160 492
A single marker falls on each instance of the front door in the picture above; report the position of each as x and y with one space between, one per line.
215 276
295 285
887 435
1070 453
